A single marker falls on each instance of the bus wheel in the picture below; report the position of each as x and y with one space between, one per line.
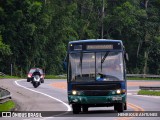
120 107
125 106
85 109
115 107
76 108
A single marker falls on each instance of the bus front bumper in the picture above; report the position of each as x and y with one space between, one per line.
97 99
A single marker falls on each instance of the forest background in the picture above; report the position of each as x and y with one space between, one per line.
35 33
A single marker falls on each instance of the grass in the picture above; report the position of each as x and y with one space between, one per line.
46 77
7 106
55 77
65 77
149 92
128 78
9 77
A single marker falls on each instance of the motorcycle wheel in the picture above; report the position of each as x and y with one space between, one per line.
35 85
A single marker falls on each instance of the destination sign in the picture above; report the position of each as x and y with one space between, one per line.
90 46
99 47
78 47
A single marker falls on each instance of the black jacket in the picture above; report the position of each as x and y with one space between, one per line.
36 73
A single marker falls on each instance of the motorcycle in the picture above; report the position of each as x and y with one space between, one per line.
36 81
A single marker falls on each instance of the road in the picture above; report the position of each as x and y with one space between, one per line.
52 96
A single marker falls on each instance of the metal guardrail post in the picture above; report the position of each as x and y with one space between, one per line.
5 95
143 75
149 88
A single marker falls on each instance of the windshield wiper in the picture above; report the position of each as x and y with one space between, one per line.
81 58
103 59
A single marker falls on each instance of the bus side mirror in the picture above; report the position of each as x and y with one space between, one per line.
65 64
126 57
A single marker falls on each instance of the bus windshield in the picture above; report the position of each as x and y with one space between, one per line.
96 66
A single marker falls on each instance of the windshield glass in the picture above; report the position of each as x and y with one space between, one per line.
96 66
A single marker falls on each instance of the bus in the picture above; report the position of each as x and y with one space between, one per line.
96 74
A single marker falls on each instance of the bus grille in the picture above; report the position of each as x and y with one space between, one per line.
96 93
97 87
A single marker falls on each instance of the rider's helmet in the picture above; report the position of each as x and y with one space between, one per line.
37 70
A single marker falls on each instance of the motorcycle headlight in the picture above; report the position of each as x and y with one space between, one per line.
41 76
29 75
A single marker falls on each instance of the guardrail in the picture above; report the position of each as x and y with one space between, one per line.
5 95
143 75
149 88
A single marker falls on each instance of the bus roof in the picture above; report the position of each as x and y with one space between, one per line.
95 45
95 40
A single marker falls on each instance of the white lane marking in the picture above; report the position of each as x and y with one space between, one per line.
129 94
150 96
68 107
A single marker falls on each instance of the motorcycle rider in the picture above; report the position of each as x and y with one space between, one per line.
36 72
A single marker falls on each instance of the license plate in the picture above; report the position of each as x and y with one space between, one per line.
116 98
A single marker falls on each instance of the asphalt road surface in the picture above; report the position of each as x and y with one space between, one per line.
52 96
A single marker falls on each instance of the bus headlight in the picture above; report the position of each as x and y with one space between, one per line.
74 92
118 91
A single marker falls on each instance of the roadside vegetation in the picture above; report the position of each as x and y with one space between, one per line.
51 24
25 77
64 76
9 77
55 77
149 92
7 106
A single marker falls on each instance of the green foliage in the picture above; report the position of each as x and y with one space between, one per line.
7 106
154 57
148 92
4 49
37 32
55 77
9 77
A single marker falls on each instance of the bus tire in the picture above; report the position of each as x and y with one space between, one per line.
85 109
76 108
120 107
125 106
115 107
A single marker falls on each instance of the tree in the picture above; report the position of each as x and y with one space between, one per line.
38 31
4 49
25 24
